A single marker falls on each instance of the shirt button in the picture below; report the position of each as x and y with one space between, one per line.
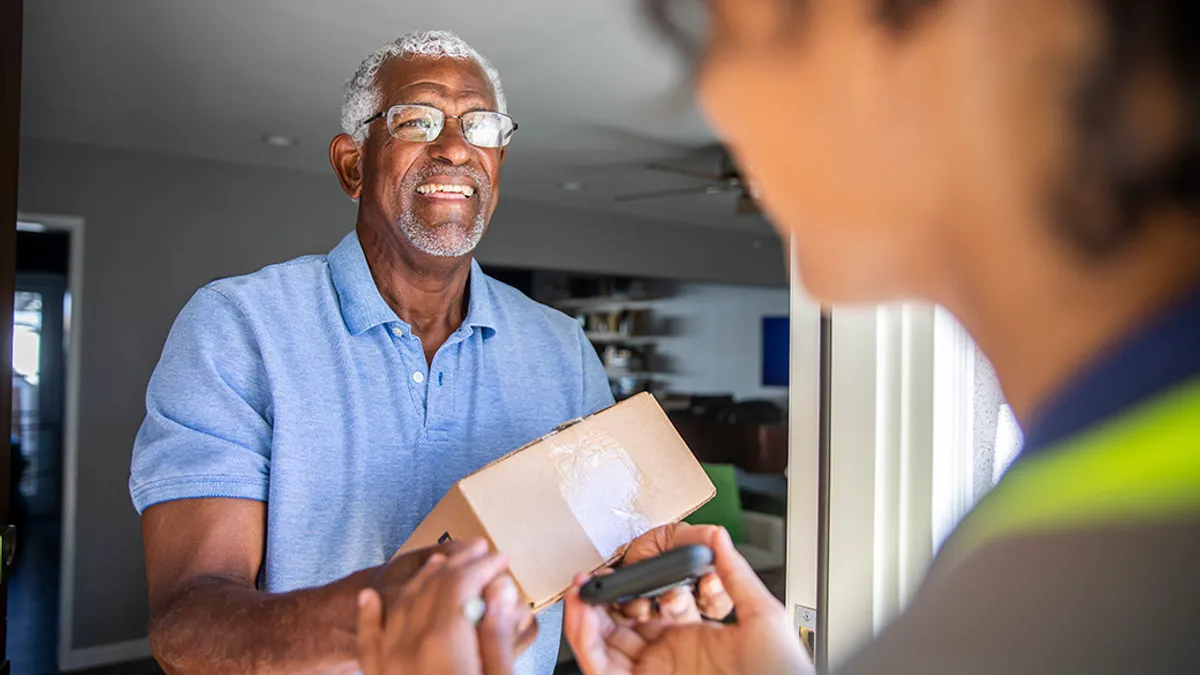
418 377
397 331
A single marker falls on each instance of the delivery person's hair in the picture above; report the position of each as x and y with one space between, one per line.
1113 182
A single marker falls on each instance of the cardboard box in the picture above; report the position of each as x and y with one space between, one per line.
572 500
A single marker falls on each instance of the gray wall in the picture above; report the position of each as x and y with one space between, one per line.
159 227
719 347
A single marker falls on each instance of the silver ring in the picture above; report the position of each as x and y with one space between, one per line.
474 609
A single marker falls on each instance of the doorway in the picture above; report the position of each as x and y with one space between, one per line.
41 342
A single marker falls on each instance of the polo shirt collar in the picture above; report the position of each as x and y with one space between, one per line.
1152 358
363 307
481 308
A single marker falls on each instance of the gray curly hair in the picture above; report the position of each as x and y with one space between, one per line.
363 97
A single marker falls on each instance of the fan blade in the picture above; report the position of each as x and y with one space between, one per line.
684 171
698 190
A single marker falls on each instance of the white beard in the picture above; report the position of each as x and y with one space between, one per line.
450 240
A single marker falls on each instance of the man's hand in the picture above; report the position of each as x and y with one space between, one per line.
679 605
427 630
391 579
761 643
203 557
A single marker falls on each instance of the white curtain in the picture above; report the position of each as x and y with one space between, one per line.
998 438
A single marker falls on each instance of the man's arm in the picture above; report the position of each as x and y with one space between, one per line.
207 615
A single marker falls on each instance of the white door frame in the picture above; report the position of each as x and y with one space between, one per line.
805 452
873 505
70 658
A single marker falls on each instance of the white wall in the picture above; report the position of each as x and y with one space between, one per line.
719 348
159 227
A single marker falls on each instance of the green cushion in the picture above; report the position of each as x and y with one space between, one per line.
725 509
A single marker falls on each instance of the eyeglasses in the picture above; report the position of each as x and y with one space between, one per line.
423 124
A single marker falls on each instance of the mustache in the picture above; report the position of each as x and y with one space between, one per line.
477 176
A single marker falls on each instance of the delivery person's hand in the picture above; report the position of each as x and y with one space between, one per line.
428 628
679 605
761 642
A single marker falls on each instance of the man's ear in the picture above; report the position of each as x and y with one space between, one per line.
346 157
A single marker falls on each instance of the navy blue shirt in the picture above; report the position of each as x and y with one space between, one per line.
1154 357
299 386
1099 598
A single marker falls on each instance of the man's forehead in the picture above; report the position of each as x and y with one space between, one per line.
445 77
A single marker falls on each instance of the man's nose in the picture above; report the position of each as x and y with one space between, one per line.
451 146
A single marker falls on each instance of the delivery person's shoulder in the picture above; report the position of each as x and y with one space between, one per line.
1118 598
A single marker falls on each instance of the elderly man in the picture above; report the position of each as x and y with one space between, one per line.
304 419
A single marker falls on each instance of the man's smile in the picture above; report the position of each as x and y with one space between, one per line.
446 188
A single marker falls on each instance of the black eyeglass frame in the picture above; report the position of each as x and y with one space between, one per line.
382 113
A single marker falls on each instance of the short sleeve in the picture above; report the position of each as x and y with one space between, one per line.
597 394
206 432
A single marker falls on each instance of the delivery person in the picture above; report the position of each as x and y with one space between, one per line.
1034 166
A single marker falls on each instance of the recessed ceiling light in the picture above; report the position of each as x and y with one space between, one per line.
572 186
279 141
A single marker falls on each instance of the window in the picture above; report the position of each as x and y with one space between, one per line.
977 435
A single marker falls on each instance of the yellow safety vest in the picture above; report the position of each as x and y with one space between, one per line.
1140 467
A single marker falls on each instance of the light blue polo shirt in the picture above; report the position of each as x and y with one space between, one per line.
299 386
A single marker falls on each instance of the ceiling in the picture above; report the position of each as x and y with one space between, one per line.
595 92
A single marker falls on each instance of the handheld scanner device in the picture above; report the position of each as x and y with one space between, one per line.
649 578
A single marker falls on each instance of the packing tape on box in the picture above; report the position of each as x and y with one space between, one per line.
601 485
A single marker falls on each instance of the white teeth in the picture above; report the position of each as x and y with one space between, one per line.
428 188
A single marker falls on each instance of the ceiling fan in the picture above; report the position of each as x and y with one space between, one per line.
724 180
